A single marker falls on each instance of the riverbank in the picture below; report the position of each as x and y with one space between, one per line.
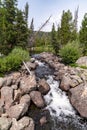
23 101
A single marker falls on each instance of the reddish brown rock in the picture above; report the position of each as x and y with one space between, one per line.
25 99
78 98
43 120
27 84
17 111
2 82
37 99
65 83
7 96
9 80
15 87
17 95
1 107
43 86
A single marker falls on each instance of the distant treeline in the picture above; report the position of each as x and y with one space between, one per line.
15 31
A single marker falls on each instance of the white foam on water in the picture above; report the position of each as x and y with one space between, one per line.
57 101
39 63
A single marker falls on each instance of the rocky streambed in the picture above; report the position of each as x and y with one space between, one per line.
42 100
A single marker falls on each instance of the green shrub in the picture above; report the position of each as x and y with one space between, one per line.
13 60
70 52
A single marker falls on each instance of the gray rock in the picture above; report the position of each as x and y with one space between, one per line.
37 99
25 123
5 123
82 61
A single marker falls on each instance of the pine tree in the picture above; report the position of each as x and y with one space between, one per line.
21 30
26 12
54 40
66 23
32 26
83 35
74 34
3 37
9 24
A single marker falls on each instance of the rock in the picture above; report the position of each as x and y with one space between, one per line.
25 99
4 115
43 120
25 123
17 95
65 83
82 61
59 75
17 111
43 86
78 98
2 82
32 60
37 99
76 77
1 107
27 84
7 96
9 81
15 87
16 76
5 123
31 66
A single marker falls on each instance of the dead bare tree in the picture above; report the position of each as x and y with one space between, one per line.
33 38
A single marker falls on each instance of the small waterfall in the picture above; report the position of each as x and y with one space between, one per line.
63 115
57 101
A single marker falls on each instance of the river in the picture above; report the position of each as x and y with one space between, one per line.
59 112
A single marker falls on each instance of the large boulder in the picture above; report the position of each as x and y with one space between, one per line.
25 123
82 61
27 84
5 123
17 111
37 99
43 86
78 98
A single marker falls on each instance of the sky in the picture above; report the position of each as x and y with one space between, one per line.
40 10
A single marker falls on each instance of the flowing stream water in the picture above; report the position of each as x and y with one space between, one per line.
62 114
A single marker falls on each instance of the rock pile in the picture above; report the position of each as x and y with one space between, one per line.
72 80
17 90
